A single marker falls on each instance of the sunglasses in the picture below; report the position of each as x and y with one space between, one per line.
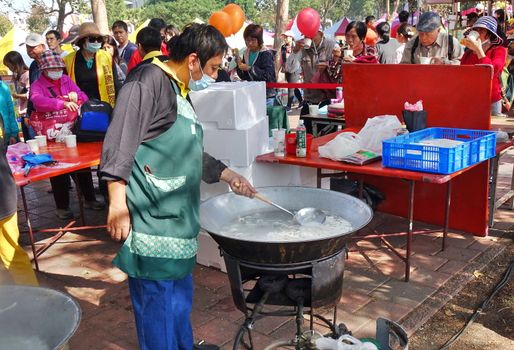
93 39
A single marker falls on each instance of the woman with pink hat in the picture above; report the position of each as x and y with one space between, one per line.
485 47
54 91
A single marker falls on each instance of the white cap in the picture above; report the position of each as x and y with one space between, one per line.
34 39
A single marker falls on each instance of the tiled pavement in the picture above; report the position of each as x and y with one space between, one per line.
80 264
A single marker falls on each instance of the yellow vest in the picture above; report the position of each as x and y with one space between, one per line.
104 74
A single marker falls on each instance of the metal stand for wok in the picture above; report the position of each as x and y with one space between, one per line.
323 279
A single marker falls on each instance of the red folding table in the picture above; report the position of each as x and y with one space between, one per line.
84 156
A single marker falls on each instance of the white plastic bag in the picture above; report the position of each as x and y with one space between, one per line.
345 342
378 129
341 146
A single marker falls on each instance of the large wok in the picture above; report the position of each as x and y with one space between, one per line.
219 211
36 318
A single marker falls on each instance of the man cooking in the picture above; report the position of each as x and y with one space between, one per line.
153 161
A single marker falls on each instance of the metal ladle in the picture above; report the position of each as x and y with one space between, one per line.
303 216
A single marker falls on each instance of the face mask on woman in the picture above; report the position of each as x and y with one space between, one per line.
203 83
54 75
93 47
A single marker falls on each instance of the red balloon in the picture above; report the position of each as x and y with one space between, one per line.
221 21
308 22
237 16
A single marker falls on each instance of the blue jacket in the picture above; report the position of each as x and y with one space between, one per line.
263 69
129 50
7 112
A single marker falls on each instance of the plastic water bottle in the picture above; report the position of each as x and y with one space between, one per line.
339 93
301 140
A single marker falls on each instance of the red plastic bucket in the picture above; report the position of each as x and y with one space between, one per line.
291 143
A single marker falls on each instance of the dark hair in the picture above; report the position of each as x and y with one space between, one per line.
501 15
110 40
171 43
471 15
80 43
157 23
149 38
405 30
14 59
173 29
204 40
403 16
54 32
383 31
360 28
254 31
369 19
119 24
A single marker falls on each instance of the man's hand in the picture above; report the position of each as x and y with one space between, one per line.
238 184
118 222
437 60
118 219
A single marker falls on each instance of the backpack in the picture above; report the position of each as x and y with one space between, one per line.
416 44
93 121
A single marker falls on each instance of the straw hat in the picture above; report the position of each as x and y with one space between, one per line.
88 29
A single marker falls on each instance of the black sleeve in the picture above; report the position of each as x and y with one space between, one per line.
212 168
132 116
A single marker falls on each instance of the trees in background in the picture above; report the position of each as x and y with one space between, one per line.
5 25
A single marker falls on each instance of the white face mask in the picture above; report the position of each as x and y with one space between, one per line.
54 75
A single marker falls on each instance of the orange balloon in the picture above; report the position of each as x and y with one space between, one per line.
221 21
237 16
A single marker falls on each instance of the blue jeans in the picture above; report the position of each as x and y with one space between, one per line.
162 310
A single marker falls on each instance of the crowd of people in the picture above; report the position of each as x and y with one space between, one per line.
153 194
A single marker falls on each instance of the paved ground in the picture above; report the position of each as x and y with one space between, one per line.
80 264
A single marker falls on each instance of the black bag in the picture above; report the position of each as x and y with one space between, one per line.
415 120
93 121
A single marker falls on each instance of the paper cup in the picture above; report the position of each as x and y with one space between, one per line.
347 53
279 136
70 141
41 140
313 109
473 35
425 60
33 145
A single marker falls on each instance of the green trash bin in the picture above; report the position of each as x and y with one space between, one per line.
277 118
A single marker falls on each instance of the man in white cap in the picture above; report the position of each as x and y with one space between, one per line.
430 42
35 45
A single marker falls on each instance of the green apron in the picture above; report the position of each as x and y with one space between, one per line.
163 197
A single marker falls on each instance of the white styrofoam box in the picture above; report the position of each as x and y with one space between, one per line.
237 147
260 175
208 252
236 105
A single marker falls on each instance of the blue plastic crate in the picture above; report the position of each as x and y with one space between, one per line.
405 152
